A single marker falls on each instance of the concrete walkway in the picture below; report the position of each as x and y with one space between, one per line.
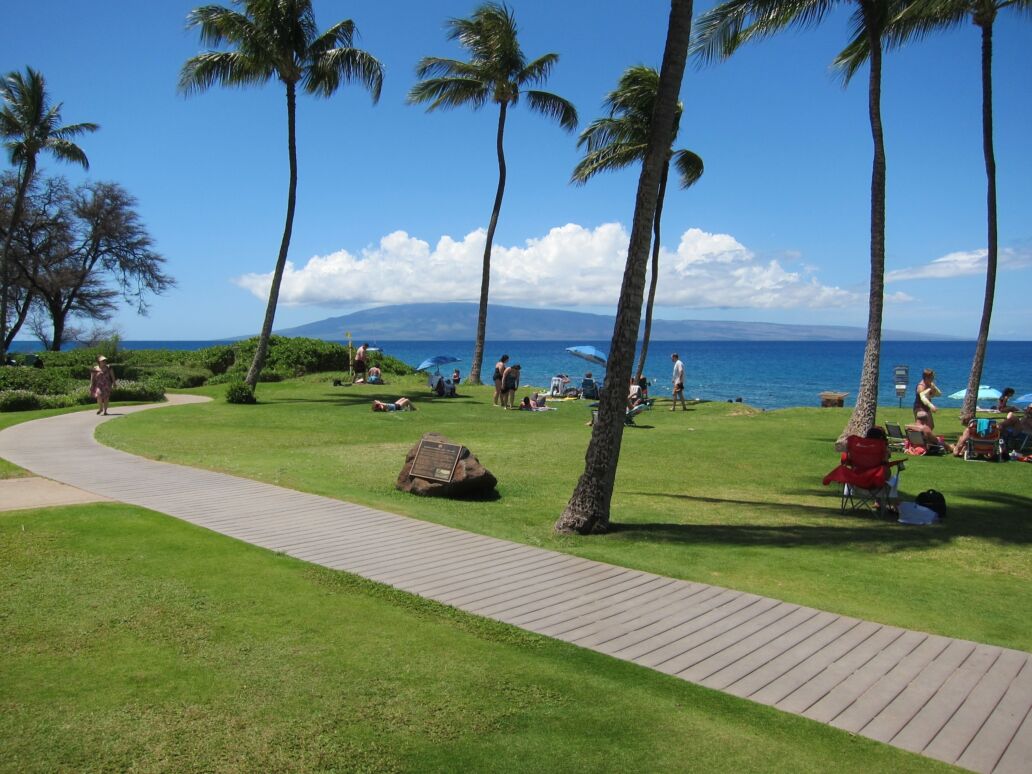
957 701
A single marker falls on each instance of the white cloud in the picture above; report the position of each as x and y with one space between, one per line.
962 264
569 266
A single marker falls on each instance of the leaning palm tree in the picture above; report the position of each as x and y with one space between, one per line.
719 33
588 509
619 140
277 39
497 71
927 16
30 125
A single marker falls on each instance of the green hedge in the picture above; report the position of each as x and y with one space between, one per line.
27 400
42 381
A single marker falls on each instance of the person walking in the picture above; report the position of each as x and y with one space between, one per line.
678 382
102 382
499 371
923 394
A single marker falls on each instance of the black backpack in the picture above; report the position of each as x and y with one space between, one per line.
933 500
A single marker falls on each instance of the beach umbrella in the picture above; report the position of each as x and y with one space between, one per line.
436 362
985 392
1026 398
589 353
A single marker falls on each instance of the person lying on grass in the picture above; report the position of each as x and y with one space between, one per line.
401 404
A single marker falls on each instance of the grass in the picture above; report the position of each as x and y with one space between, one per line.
720 494
136 642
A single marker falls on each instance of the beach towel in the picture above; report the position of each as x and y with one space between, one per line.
982 426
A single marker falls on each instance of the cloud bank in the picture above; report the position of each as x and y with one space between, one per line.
570 266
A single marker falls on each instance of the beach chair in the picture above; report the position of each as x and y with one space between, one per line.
896 435
916 440
1017 442
866 478
984 442
633 412
589 389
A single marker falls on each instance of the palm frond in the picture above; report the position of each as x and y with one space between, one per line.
325 74
719 32
222 68
437 67
605 159
538 70
74 130
610 131
449 93
689 167
553 106
219 25
65 150
340 35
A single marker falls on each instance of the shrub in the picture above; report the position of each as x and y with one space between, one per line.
238 392
141 391
390 365
174 377
42 381
217 359
19 400
295 356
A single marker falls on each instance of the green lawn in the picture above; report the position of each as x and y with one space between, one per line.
132 641
719 494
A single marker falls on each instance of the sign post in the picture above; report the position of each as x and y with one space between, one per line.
901 375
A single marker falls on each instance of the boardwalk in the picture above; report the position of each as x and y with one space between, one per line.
957 701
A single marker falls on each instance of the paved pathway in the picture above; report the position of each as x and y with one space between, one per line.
953 700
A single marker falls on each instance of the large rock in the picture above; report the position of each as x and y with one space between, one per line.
471 479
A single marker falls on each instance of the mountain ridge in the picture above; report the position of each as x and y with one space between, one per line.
456 321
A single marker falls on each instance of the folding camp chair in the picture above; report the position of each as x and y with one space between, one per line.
896 435
917 441
867 483
633 412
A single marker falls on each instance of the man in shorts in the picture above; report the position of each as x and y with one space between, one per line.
678 382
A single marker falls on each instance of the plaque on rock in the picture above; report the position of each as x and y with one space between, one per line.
435 460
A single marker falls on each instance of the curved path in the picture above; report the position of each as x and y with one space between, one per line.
957 701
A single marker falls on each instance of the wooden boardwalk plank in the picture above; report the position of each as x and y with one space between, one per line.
956 701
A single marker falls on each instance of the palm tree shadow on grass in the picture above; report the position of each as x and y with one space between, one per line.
1001 517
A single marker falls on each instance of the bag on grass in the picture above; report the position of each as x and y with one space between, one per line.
912 513
933 500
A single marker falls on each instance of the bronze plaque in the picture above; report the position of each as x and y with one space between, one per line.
436 461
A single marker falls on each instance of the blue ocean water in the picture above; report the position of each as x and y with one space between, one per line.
765 374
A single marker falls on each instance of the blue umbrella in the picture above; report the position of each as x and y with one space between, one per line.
436 362
591 354
985 392
1026 398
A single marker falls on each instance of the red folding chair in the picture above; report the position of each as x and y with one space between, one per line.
866 477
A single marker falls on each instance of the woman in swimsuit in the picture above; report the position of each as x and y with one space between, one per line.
926 390
497 378
510 382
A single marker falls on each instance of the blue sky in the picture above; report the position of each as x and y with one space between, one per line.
393 201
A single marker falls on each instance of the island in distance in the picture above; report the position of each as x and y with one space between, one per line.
458 322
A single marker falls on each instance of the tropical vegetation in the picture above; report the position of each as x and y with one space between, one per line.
621 139
277 39
30 125
497 72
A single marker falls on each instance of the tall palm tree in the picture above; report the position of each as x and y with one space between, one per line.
30 125
497 71
588 509
723 29
277 39
927 16
619 140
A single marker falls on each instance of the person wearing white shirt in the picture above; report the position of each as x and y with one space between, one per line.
678 381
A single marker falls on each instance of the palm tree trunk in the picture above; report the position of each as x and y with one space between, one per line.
262 350
866 409
653 280
588 509
990 201
16 211
485 277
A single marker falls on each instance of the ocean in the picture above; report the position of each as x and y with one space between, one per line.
765 374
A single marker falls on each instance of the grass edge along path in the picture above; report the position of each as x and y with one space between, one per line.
721 494
133 640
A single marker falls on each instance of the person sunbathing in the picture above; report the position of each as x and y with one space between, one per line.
401 404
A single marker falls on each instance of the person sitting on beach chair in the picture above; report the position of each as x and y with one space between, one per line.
921 439
634 395
865 473
589 388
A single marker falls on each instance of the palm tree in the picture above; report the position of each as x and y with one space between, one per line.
497 71
620 140
277 39
30 125
927 16
723 29
588 509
